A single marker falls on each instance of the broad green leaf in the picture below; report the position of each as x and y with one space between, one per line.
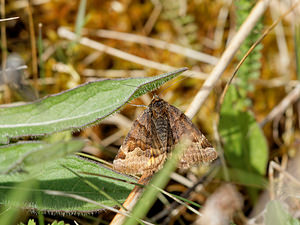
75 108
30 154
245 146
59 223
54 177
249 179
52 174
24 160
30 222
276 214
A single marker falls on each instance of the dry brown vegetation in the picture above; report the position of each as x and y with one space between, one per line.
259 164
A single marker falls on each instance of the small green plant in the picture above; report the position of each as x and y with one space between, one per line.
245 146
32 222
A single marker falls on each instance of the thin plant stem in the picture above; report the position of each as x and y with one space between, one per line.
226 57
33 46
4 51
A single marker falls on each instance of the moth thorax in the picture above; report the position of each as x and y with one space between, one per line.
157 106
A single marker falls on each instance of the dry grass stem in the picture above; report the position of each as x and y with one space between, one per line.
122 122
112 138
91 58
8 19
65 33
219 31
283 105
182 203
284 58
190 53
273 165
153 17
114 73
182 180
276 82
21 4
226 57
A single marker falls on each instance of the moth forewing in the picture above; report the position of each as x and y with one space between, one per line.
153 137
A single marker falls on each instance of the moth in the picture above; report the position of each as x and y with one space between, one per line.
154 135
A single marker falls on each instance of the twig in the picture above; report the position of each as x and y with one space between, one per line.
8 19
226 57
131 200
199 56
283 105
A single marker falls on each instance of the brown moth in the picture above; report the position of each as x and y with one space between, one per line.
154 135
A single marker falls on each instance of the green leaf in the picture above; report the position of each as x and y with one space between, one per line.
277 215
31 222
59 223
245 146
53 175
75 108
248 179
22 156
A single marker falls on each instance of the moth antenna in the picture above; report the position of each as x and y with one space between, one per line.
137 105
172 83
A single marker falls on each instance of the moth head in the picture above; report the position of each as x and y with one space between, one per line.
157 105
